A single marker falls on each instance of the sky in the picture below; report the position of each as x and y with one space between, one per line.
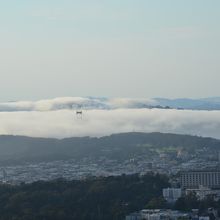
126 48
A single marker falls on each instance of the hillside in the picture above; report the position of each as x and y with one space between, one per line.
17 149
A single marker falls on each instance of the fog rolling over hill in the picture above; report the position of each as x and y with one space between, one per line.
18 149
56 118
110 103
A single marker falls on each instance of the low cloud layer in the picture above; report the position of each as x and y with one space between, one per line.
76 103
99 122
89 103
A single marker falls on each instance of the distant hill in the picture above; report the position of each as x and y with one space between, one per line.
194 104
17 149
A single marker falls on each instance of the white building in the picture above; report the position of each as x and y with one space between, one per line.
134 216
204 218
172 194
157 214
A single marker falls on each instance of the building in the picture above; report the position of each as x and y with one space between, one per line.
203 192
195 179
172 194
157 214
134 216
204 218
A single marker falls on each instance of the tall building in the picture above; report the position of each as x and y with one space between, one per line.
195 179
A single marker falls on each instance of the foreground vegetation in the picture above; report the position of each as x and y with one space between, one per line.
95 198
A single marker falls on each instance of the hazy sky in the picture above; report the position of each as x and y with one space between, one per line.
123 48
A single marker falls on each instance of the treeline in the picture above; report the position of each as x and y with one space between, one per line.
191 201
104 198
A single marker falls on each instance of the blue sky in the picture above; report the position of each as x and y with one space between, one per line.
126 48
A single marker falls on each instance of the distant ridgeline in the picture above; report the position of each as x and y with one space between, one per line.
19 149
